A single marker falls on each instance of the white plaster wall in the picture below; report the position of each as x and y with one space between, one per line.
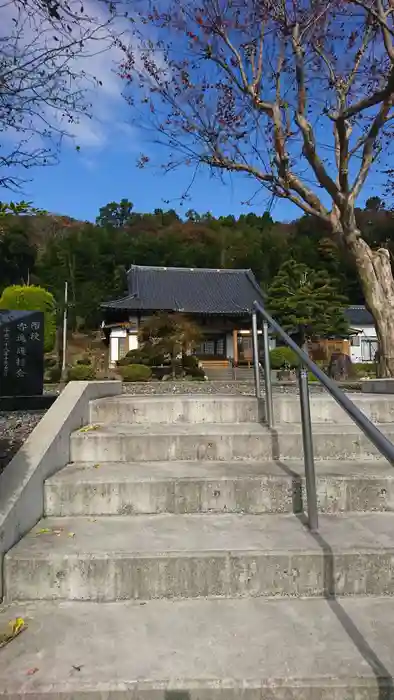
357 352
271 343
113 350
116 333
133 341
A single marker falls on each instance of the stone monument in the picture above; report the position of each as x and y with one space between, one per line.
21 355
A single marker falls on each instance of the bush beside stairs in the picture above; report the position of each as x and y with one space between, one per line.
174 561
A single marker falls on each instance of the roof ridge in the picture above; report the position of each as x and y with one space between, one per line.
164 268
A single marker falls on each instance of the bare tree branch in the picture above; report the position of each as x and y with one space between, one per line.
279 72
43 86
379 15
368 150
308 136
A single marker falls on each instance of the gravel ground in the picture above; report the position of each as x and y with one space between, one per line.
14 429
243 388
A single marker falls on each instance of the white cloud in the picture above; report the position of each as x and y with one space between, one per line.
97 60
106 99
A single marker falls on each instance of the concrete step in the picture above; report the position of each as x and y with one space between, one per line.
378 408
201 650
217 374
147 410
116 488
214 441
171 556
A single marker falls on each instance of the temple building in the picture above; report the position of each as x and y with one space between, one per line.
219 301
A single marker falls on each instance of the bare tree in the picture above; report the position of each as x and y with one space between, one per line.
295 94
45 46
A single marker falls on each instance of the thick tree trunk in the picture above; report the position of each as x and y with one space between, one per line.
376 276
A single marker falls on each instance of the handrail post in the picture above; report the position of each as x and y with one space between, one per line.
269 407
306 423
256 366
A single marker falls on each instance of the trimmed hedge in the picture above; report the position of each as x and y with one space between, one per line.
189 362
84 360
282 358
53 375
140 356
135 373
32 298
81 373
364 369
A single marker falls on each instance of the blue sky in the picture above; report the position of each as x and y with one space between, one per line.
86 180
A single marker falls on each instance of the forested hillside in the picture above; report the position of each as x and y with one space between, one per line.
93 258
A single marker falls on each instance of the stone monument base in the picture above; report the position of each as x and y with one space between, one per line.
27 403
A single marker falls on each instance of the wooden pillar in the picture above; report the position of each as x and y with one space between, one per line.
235 346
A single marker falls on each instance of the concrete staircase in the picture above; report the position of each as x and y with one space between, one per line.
243 373
174 562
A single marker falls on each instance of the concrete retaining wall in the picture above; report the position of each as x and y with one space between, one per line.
45 451
378 386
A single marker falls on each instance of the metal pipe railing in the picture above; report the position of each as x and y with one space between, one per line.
307 442
256 362
383 445
269 406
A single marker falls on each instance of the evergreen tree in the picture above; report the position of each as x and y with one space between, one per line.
307 302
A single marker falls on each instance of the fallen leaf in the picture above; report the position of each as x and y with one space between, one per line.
17 625
12 629
92 520
96 466
32 671
71 534
86 428
49 531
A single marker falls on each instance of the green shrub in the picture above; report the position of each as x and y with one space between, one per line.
84 360
135 373
31 298
53 375
124 362
143 356
81 373
189 362
135 357
195 372
364 369
283 358
50 361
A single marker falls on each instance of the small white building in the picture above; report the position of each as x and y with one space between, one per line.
363 339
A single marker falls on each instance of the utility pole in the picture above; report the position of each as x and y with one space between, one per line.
64 331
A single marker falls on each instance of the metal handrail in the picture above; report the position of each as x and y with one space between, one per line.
384 446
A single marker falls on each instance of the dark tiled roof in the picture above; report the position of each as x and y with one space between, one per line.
189 290
359 316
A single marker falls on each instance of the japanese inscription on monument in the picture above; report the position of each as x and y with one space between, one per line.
21 353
